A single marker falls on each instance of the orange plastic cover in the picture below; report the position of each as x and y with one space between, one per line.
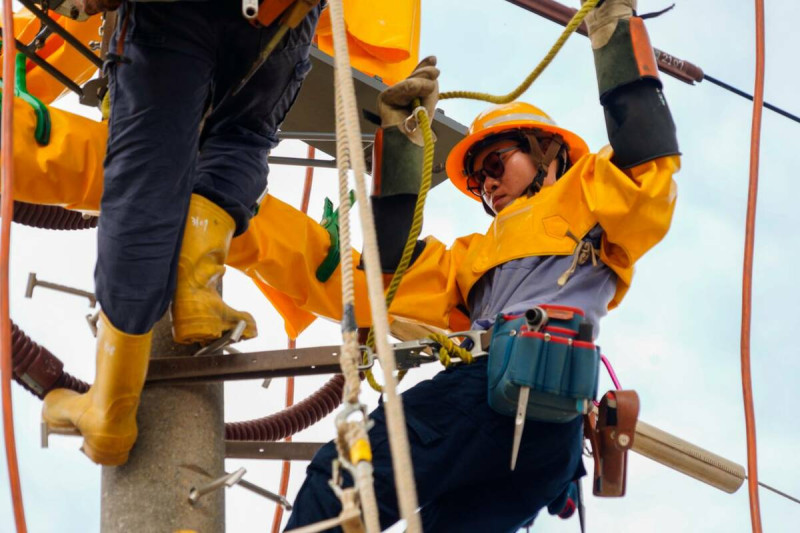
382 36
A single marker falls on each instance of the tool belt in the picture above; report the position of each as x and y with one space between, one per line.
549 349
610 431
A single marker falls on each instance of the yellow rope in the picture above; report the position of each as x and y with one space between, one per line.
448 349
513 95
423 122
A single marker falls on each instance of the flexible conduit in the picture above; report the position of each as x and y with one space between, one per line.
39 372
747 274
51 217
7 213
286 468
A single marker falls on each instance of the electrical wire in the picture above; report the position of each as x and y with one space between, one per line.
747 274
779 492
7 214
287 465
743 94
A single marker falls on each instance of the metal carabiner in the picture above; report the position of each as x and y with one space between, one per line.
474 337
364 349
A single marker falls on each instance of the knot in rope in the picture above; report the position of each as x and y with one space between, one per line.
449 349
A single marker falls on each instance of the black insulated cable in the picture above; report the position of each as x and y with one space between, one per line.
743 94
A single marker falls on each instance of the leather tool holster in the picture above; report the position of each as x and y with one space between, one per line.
610 429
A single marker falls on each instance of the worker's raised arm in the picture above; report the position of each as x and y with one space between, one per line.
638 121
630 188
397 160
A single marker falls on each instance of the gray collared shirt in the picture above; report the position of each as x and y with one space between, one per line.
518 285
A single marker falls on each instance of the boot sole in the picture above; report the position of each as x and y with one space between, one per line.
94 453
200 329
104 458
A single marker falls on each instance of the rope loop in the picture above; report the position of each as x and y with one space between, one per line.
449 349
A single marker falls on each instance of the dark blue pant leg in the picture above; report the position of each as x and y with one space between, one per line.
157 102
461 452
242 128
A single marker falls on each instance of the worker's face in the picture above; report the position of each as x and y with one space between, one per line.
517 174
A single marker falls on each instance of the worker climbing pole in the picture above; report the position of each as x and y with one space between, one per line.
353 448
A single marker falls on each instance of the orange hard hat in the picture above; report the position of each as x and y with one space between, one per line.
503 119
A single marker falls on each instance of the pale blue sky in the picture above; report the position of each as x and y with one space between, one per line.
675 339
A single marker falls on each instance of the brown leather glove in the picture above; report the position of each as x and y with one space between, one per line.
602 21
396 103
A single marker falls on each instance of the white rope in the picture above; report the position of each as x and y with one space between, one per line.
347 116
350 357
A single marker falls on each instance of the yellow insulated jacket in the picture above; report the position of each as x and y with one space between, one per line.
634 208
283 248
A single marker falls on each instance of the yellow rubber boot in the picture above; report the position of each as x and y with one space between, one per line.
106 414
198 312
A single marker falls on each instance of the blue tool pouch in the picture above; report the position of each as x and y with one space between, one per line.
561 371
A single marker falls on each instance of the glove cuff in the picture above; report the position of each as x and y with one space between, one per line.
396 163
626 58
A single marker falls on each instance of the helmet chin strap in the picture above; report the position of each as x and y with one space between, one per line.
541 160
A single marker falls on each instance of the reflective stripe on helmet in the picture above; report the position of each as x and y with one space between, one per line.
514 117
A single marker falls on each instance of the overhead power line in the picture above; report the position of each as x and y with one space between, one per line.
667 63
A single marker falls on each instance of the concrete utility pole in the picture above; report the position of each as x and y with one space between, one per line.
178 425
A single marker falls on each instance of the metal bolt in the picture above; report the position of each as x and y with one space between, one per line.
277 498
47 430
228 480
34 282
624 440
231 337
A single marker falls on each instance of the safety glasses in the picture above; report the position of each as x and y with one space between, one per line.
493 167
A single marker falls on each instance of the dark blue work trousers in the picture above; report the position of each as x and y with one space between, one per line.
461 450
175 129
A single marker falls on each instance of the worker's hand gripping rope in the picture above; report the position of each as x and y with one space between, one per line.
421 88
